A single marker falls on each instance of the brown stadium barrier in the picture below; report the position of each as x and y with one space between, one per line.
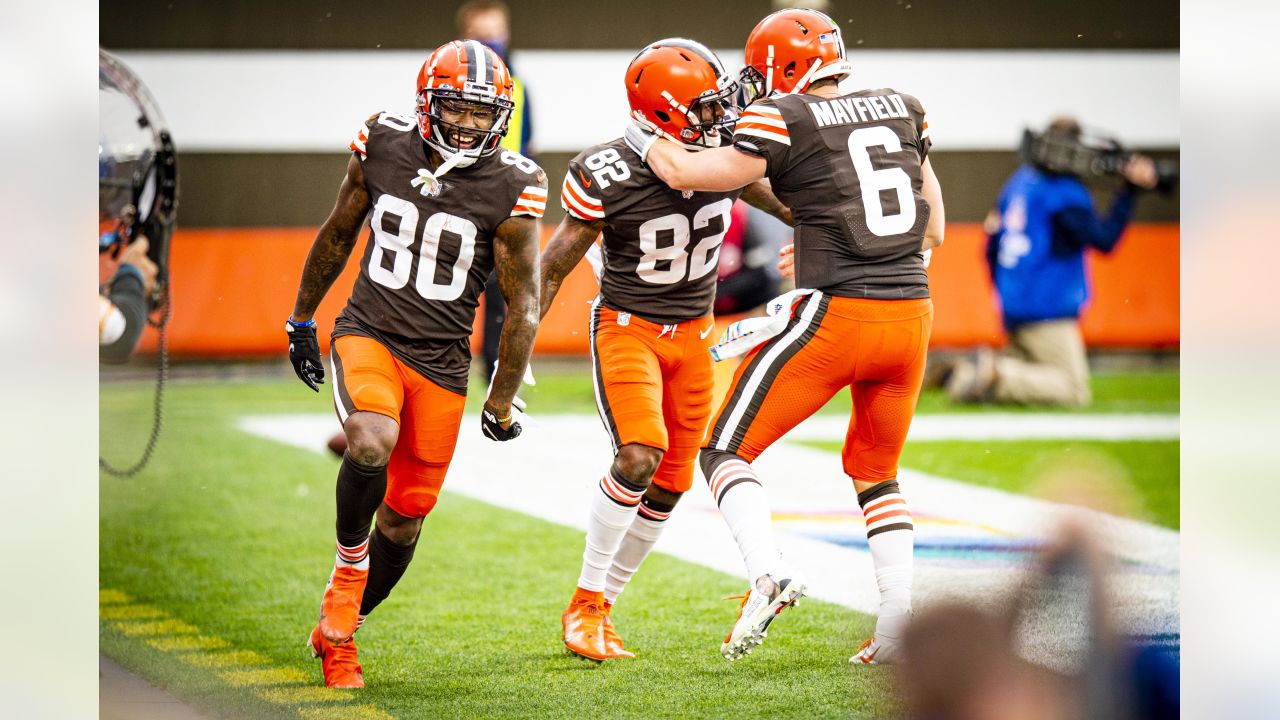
233 288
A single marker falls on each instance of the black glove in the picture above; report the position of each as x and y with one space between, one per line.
304 352
493 429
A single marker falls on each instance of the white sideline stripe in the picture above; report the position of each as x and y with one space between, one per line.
565 454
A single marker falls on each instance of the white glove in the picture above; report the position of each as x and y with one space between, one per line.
640 139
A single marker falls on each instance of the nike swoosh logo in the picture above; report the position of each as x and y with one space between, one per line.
703 335
585 182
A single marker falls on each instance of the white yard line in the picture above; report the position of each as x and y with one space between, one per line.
971 541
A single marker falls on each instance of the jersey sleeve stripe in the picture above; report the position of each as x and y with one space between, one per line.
581 195
763 110
523 209
925 131
763 133
767 127
575 206
357 143
758 119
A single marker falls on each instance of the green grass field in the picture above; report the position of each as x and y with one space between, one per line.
213 559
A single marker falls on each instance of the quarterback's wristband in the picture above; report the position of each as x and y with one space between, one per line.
308 324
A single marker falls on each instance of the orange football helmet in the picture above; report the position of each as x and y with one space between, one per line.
679 89
790 49
464 76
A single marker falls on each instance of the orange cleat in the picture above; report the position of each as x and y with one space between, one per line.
583 625
338 662
340 608
612 642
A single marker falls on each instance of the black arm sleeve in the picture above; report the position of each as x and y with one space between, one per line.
1076 228
127 294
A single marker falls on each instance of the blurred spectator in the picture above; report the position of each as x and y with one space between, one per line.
963 661
748 270
1038 233
489 21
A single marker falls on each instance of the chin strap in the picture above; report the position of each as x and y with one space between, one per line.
430 181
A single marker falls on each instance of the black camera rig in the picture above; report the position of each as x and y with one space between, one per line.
1090 158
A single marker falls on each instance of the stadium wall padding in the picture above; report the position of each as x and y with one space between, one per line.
233 289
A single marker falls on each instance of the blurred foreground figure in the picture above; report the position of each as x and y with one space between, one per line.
137 202
400 351
1038 233
963 661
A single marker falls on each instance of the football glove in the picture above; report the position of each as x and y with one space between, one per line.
492 427
640 139
304 352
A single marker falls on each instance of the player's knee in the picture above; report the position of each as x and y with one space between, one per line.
371 438
401 528
709 459
637 463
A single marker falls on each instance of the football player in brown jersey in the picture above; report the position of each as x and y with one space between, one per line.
448 205
854 169
651 324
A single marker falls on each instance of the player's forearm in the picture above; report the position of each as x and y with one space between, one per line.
325 261
760 195
563 253
514 349
932 191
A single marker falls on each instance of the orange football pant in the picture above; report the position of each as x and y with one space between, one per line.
368 378
876 348
653 387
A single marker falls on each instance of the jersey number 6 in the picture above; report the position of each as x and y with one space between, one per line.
873 181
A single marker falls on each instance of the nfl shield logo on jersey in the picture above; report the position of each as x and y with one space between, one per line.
431 185
686 194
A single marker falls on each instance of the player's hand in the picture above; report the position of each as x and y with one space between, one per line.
787 261
640 139
304 353
1140 171
502 424
135 254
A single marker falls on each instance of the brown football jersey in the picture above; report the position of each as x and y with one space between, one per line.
849 169
661 246
430 246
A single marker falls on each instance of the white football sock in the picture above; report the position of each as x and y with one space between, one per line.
891 538
613 508
745 508
640 538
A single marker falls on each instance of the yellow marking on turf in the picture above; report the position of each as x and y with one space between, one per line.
159 627
224 660
188 642
300 695
263 676
359 712
110 597
130 612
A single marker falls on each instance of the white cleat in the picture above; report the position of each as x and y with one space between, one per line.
874 652
759 607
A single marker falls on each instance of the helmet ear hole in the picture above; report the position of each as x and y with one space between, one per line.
663 116
790 71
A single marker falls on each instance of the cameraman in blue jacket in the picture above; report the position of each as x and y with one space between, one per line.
1038 233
